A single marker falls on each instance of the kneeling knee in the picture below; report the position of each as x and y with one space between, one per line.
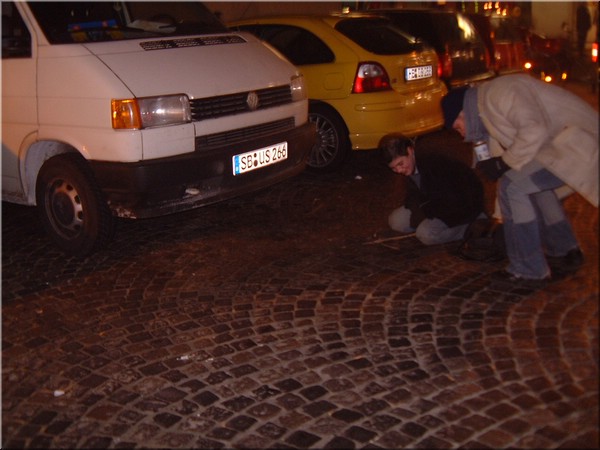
426 238
399 220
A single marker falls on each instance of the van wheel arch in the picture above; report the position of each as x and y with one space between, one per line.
36 156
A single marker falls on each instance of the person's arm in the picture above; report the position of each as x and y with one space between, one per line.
414 201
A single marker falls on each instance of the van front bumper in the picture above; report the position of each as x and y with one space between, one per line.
167 185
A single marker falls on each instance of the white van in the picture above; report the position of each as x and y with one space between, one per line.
139 109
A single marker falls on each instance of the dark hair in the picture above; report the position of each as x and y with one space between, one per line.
393 145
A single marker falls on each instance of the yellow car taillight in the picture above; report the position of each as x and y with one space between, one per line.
370 77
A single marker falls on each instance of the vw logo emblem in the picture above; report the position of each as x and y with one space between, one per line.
252 101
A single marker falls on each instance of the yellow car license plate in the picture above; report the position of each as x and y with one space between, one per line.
418 73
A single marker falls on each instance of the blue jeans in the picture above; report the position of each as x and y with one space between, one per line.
429 231
534 220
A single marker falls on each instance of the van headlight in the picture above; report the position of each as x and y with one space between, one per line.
298 89
147 112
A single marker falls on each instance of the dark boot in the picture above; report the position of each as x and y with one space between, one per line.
565 265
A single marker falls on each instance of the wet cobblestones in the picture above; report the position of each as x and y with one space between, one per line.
291 319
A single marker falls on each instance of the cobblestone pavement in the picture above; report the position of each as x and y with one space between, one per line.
290 318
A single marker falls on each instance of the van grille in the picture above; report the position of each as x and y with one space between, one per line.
205 143
226 105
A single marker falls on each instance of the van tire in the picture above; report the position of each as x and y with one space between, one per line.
333 144
71 206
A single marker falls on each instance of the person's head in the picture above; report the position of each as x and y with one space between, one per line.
452 107
398 153
461 113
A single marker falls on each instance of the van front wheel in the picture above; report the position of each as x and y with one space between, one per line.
71 206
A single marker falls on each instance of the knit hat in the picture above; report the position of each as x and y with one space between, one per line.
452 105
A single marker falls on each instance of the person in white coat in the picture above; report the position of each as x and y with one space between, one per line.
541 138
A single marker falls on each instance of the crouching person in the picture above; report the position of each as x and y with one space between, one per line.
443 195
541 139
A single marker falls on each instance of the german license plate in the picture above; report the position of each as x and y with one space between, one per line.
256 159
418 72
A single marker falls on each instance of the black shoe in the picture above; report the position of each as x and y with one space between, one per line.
567 264
517 281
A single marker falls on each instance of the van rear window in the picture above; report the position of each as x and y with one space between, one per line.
69 22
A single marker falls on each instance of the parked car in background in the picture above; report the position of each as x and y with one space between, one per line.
504 41
365 78
137 110
548 58
463 56
554 59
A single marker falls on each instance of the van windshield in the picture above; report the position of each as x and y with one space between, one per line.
77 22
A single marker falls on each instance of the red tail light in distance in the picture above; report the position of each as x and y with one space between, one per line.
445 67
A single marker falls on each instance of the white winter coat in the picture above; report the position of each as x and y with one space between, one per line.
527 118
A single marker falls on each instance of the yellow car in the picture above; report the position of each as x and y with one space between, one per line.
365 78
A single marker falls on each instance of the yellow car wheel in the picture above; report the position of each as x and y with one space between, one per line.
333 144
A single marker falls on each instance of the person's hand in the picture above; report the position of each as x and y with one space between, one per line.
493 168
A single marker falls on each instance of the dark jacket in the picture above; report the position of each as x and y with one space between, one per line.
450 191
